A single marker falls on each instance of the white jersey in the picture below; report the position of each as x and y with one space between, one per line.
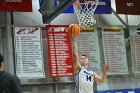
84 81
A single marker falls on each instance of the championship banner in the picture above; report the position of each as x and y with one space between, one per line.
16 5
114 49
28 52
135 48
128 7
59 51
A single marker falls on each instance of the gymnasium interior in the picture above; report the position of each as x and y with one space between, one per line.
113 37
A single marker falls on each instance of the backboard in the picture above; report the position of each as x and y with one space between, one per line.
50 9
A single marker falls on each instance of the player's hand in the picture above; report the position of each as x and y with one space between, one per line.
107 67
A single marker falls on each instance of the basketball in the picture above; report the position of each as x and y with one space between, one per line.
74 30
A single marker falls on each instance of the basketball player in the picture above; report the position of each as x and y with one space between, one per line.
84 78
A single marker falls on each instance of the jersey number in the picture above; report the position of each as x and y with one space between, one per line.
88 77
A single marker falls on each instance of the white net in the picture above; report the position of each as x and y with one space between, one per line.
85 10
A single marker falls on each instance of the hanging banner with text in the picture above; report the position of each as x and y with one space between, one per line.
104 7
28 52
128 7
88 44
59 51
114 49
16 5
135 48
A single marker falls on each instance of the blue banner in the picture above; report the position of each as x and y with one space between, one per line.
104 7
120 91
69 10
137 90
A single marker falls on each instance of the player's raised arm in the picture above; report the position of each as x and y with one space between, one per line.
104 77
76 63
74 31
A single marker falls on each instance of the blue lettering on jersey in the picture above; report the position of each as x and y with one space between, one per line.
88 73
89 77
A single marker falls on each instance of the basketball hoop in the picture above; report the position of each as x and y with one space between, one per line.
85 10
